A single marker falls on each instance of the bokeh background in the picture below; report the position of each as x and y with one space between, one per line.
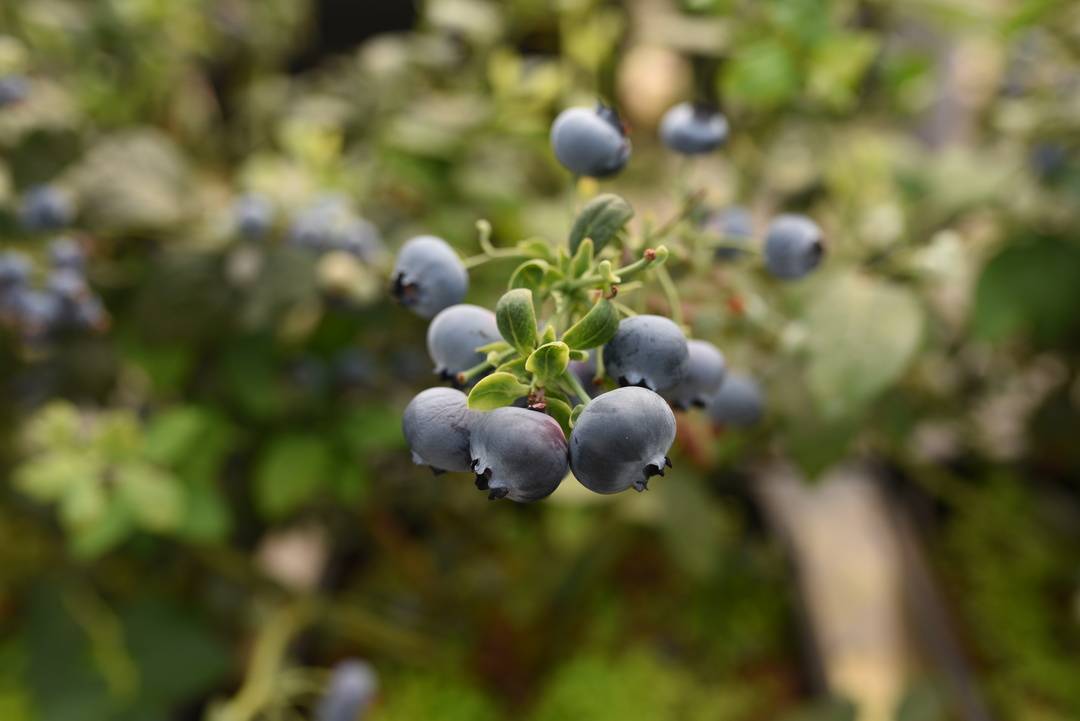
207 503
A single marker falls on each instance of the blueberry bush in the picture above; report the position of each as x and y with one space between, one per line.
261 261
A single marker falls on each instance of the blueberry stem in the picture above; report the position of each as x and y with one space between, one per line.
671 294
624 309
571 380
467 375
650 259
600 370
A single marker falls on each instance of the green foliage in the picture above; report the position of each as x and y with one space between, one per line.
600 220
419 696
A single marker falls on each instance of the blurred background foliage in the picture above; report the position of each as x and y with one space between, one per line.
210 503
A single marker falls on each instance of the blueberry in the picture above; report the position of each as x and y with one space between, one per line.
13 89
67 285
350 692
590 142
46 207
693 128
739 402
14 270
356 367
454 335
518 454
253 215
317 226
735 226
621 440
66 253
437 425
647 350
793 246
36 312
360 238
429 276
705 373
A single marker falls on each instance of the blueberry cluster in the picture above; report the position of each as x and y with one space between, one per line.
61 302
327 224
590 389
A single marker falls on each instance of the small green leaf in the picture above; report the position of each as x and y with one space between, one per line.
863 333
535 247
515 367
155 496
574 414
583 258
601 219
290 472
529 274
549 361
579 355
560 411
595 329
516 319
498 347
548 336
495 391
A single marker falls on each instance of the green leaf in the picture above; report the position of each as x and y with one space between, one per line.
495 391
290 472
516 319
863 333
596 328
549 361
155 497
576 412
583 258
516 368
761 75
559 410
529 274
579 355
548 336
601 219
1029 289
536 247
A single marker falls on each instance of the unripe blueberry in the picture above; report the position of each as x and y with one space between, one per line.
621 440
454 335
13 89
734 225
703 378
793 246
518 454
46 207
66 254
253 215
351 691
590 142
647 350
429 276
739 402
693 128
437 425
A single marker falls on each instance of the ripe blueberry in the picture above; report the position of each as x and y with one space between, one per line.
437 424
703 378
46 207
13 89
647 350
518 454
360 238
739 402
454 335
429 276
253 215
14 270
735 226
350 692
66 254
590 142
693 128
793 246
621 440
